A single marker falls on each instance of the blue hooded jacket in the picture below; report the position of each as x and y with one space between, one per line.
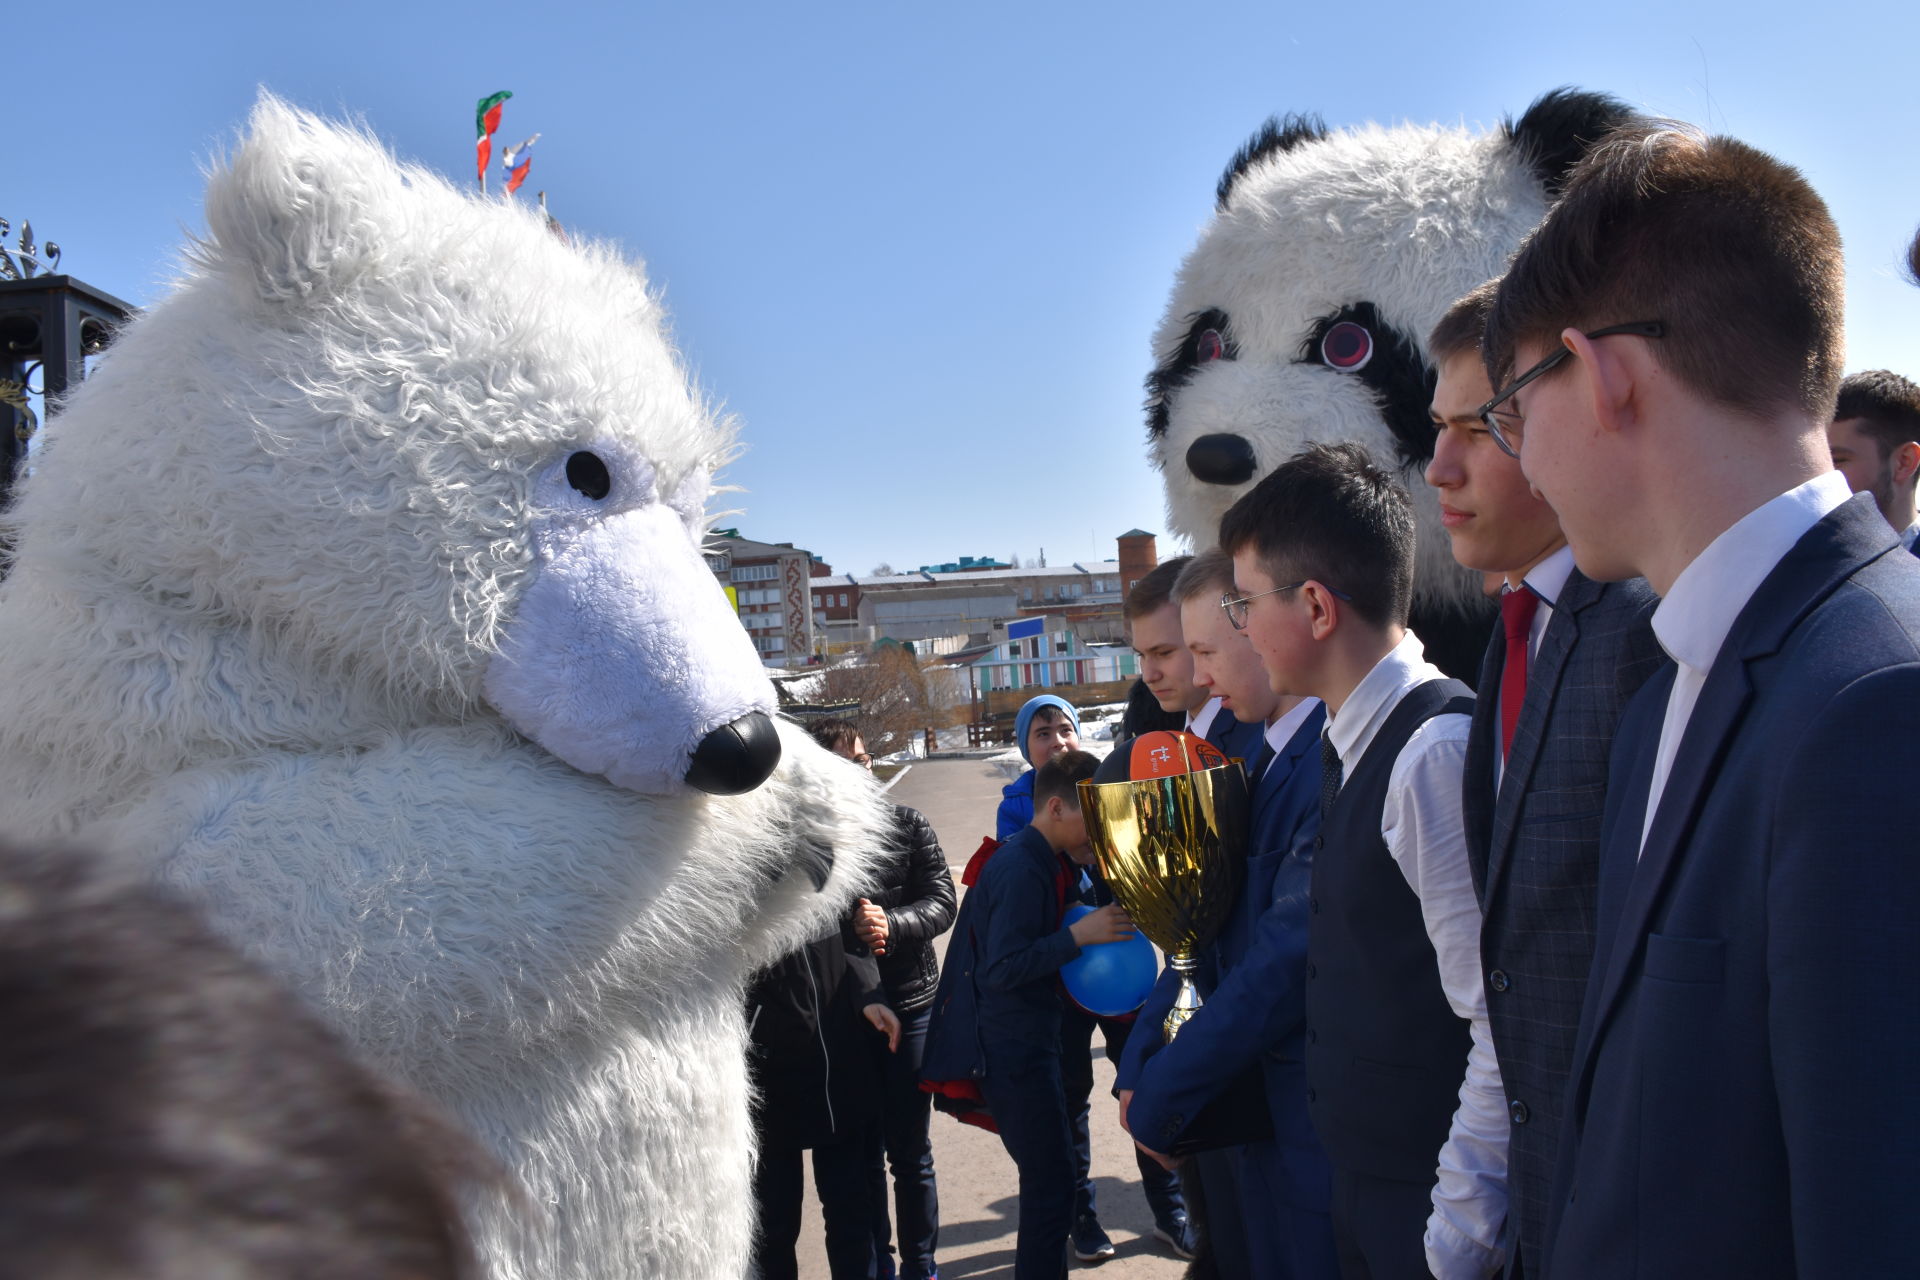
1016 803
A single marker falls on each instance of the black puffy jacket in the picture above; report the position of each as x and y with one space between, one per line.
916 889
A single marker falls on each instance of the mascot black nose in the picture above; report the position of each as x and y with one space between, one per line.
735 757
1222 459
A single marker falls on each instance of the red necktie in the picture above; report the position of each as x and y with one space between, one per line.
1516 619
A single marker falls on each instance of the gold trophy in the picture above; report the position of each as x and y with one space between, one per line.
1170 831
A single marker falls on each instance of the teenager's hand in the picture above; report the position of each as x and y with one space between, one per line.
883 1019
1108 924
870 926
1126 1096
1170 1163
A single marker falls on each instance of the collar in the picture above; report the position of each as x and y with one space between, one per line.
1549 578
1375 697
1692 621
1281 731
1908 534
1198 722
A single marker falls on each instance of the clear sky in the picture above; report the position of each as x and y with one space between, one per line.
920 249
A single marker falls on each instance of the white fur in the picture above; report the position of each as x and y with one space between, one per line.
1409 218
304 613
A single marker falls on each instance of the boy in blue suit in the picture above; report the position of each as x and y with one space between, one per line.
1668 345
1003 969
1166 665
1253 1015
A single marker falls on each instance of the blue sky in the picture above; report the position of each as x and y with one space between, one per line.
920 250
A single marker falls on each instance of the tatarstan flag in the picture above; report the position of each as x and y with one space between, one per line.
516 161
486 118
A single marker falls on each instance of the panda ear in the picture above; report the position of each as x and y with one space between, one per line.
1278 134
300 205
1560 128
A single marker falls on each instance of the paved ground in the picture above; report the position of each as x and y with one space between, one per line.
977 1201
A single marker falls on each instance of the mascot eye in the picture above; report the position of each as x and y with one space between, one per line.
1346 347
587 474
1209 346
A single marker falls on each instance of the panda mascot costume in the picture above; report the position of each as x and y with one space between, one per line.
1302 314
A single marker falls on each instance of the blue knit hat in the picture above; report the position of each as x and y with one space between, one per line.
1024 721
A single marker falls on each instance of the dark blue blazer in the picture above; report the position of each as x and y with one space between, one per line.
1743 1101
999 982
1535 857
1256 1006
1238 741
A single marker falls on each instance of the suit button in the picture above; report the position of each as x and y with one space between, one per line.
1498 980
1313 1096
1313 1037
1518 1111
1319 843
1313 904
1312 972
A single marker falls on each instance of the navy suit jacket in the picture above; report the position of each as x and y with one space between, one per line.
1255 1009
1535 857
1239 741
1743 1101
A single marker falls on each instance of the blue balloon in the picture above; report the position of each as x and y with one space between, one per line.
1110 978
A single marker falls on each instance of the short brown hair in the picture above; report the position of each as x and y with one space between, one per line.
1154 590
833 732
1886 405
1210 572
1331 514
1459 331
1726 246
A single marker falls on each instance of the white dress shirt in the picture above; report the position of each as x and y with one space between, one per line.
1281 731
1546 580
1693 618
1908 534
1424 832
1198 722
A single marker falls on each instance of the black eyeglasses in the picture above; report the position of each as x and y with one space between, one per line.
1505 427
1236 606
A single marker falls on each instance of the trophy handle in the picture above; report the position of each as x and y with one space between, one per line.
1186 1002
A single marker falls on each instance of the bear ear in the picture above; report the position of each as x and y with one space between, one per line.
301 204
1560 128
1278 134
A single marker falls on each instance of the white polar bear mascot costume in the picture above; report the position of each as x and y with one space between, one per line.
1302 314
360 592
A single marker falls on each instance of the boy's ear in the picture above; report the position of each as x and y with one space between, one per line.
302 206
1323 610
1613 373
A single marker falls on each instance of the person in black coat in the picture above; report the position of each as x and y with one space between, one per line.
910 904
815 1085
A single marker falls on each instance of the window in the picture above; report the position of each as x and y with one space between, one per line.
755 572
843 599
816 599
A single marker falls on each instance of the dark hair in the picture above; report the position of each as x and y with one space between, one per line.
1061 776
833 733
1155 589
1210 572
1459 331
1913 258
1886 405
1331 514
174 1113
1726 246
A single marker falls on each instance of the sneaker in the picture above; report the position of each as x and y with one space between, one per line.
1090 1243
1176 1232
883 1266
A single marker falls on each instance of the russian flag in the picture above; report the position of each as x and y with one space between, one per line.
516 161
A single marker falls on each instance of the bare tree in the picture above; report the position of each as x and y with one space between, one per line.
895 703
881 570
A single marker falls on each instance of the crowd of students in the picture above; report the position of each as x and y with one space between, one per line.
1606 971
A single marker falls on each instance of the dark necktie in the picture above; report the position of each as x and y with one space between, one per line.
1516 619
1261 759
1329 777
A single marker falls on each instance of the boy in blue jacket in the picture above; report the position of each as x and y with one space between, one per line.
1045 727
1003 969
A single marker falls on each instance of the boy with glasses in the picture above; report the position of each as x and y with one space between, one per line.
1568 654
1742 1097
1400 1071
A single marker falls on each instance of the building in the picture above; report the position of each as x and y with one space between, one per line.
772 584
966 564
